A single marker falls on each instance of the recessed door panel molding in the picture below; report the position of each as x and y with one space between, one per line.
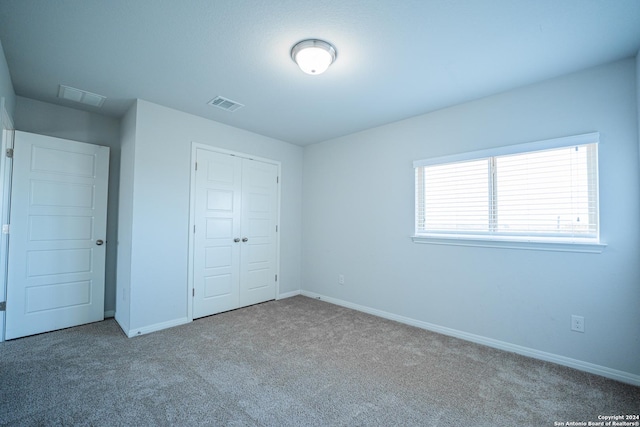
221 171
258 177
218 257
62 162
259 227
259 253
58 261
258 280
58 296
258 203
58 227
61 194
235 244
218 286
220 200
219 228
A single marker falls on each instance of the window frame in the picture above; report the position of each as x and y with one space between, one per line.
532 242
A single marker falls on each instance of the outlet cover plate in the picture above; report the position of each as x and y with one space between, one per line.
577 323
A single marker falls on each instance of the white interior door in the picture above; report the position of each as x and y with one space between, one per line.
258 226
217 233
57 231
235 243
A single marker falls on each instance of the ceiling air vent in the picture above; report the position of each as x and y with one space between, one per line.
81 96
225 104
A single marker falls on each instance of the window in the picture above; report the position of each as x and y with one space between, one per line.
540 192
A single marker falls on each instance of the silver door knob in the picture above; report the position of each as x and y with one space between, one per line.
99 242
244 239
237 239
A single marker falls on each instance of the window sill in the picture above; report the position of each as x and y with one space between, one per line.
536 245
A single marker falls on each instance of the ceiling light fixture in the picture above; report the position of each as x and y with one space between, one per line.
313 56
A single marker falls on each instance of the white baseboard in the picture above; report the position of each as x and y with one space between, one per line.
625 377
165 325
2 326
288 294
109 313
157 327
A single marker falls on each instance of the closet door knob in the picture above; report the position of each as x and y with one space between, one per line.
244 239
237 239
99 242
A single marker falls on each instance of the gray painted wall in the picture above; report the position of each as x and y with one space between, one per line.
358 216
6 87
125 219
62 122
154 220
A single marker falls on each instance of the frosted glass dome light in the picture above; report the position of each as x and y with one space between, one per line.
313 56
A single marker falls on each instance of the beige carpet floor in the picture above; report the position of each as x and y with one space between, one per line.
294 362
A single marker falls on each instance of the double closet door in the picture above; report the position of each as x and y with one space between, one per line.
235 250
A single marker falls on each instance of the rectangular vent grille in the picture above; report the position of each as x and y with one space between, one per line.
225 104
81 96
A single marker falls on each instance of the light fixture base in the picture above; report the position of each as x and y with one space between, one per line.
313 56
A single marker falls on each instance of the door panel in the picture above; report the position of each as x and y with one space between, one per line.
259 217
58 215
58 261
217 222
235 199
59 295
61 194
60 227
65 162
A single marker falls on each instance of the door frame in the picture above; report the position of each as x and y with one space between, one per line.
195 146
6 127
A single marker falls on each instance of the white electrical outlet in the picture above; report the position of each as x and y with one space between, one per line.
340 279
577 323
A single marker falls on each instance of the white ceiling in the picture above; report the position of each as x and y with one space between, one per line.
396 58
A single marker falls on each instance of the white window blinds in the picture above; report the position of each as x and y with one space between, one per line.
541 193
454 197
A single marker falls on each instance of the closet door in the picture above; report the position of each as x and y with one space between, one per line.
235 243
217 230
258 254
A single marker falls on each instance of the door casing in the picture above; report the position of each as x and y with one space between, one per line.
5 191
